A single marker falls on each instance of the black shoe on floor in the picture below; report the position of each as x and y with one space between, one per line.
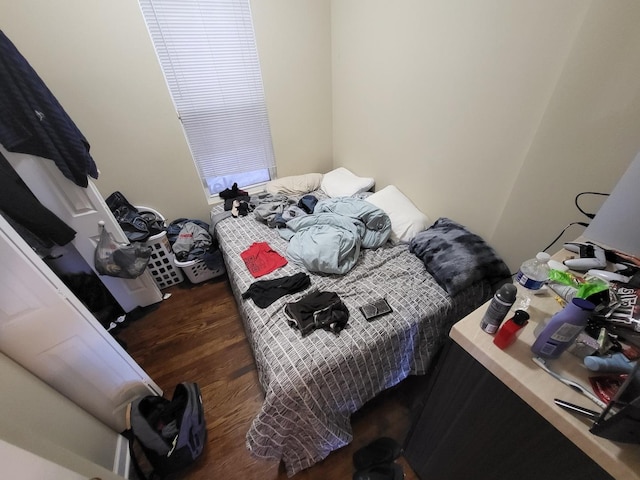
380 451
383 471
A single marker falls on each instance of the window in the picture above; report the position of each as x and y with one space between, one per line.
207 52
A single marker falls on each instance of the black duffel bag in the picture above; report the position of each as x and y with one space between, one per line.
171 433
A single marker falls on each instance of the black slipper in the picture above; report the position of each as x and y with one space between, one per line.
381 450
385 471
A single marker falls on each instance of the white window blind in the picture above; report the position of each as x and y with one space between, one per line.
207 52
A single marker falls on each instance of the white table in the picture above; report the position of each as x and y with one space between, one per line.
464 408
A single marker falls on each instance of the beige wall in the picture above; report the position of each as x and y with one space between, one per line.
47 424
588 136
493 113
97 58
294 45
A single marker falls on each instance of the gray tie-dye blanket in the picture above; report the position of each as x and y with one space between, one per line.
457 258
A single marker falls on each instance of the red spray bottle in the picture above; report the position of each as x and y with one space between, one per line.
509 331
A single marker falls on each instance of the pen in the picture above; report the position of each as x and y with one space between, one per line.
585 412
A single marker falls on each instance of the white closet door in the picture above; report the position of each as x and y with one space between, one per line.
48 331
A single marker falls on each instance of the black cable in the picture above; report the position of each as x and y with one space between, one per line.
589 215
564 230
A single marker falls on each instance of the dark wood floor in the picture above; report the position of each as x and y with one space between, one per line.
197 335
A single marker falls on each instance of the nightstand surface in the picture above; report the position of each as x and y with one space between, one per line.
515 368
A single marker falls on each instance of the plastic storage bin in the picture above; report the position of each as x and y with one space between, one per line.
162 262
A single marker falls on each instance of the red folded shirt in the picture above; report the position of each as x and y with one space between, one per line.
261 259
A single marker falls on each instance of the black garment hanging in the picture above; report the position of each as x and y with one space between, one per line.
33 121
21 207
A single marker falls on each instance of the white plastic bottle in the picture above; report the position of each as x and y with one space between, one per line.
532 275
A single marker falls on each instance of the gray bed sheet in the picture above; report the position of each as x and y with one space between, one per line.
313 384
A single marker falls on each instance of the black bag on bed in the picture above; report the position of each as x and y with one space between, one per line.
171 433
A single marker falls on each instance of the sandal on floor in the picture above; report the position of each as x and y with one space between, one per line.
381 450
385 471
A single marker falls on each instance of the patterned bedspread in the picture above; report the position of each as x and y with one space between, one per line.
312 385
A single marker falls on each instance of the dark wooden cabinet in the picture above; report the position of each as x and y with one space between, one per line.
471 426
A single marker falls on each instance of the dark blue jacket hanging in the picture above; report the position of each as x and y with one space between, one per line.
32 121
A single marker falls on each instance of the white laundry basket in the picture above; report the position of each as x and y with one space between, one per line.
162 264
197 270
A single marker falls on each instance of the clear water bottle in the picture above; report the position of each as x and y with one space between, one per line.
532 275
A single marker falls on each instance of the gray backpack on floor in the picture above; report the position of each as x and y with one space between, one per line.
171 433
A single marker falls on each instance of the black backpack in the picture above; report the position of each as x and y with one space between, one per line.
172 434
138 225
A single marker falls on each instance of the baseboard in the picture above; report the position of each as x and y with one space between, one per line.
122 459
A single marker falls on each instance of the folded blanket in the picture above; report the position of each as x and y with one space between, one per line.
457 258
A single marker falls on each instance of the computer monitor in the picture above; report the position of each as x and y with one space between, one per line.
616 225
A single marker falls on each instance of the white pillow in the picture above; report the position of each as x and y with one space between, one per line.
295 184
343 183
406 220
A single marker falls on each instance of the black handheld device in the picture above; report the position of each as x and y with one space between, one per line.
375 309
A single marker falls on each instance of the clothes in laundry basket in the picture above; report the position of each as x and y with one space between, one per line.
192 242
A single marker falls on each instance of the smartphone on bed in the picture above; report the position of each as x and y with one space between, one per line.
375 309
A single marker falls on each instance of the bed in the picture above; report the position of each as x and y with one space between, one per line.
313 383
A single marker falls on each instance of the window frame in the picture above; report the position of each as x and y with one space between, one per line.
208 55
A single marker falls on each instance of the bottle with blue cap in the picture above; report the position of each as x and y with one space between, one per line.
532 275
